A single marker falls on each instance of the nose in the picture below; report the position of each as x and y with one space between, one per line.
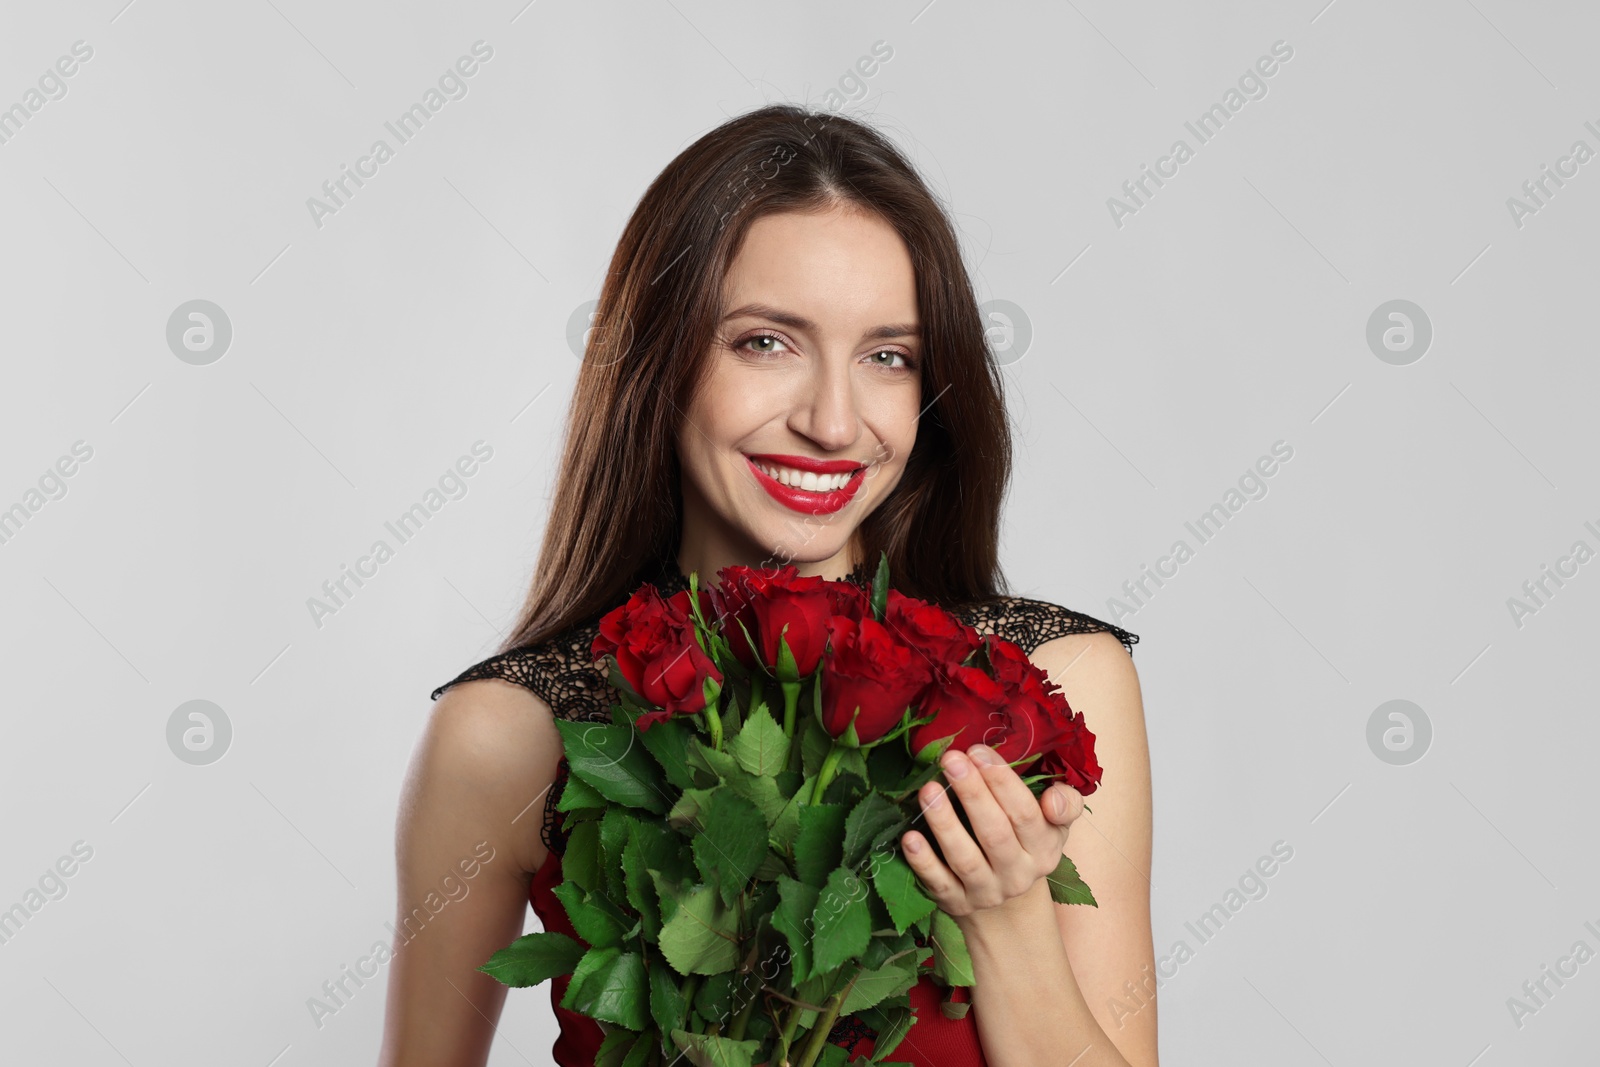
826 413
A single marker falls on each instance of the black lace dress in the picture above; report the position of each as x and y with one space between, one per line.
560 672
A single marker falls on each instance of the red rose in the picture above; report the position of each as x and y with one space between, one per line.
773 605
1065 745
870 675
946 639
966 704
1073 758
654 643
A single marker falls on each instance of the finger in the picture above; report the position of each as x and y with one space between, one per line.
961 853
1035 834
990 821
1062 804
941 882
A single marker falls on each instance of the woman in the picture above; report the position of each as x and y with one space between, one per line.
788 367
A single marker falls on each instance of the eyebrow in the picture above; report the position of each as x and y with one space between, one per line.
802 324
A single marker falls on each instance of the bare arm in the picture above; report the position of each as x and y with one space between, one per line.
474 795
1046 974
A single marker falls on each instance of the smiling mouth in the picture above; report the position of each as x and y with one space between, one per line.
805 481
808 492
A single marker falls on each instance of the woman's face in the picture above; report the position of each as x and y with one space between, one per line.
809 410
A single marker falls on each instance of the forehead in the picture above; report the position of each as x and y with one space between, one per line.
838 265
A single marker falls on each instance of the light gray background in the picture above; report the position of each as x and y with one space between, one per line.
1167 355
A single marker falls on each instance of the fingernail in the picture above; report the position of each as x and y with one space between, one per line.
934 800
913 844
955 765
983 754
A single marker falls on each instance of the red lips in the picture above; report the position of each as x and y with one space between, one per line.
803 500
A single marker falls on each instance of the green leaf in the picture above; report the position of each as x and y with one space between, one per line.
761 747
841 923
614 826
892 1025
880 585
596 919
732 842
786 825
668 742
846 788
1066 887
532 958
897 884
689 809
814 744
610 985
853 761
701 937
577 793
581 861
713 1001
872 815
763 793
833 1056
722 764
640 890
819 848
639 1055
667 1005
703 1050
611 759
797 903
614 1048
951 963
664 851
870 987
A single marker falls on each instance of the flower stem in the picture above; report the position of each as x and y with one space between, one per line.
741 1020
830 762
791 698
714 721
819 1032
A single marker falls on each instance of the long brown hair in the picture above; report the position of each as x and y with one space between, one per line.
616 514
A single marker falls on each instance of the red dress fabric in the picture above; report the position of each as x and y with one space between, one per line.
934 1041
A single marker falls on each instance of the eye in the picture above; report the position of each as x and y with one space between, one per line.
907 364
757 337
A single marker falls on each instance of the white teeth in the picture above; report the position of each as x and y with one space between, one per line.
807 480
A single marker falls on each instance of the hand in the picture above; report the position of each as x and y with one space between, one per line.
1022 838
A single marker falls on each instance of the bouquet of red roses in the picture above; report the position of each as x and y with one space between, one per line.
733 864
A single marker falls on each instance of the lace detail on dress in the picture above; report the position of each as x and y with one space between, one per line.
560 672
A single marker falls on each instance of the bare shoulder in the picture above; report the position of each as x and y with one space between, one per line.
1110 944
466 846
488 754
1096 664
